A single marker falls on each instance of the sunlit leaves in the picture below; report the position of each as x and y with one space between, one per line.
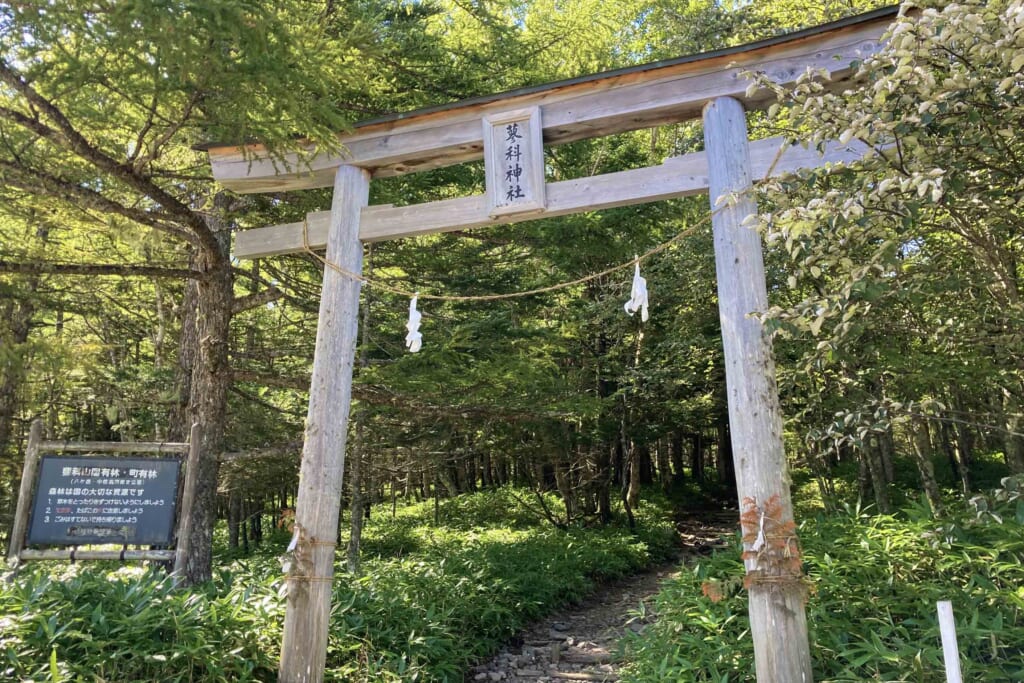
904 269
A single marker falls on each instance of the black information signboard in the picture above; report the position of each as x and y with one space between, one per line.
87 499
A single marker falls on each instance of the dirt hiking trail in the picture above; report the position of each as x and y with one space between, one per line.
580 642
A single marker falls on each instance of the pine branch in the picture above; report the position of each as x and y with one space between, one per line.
266 404
299 300
129 176
245 303
98 269
277 381
168 133
31 180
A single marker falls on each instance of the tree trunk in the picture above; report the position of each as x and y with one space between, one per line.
646 464
565 489
871 453
245 526
678 475
635 476
234 517
864 476
257 521
619 464
697 456
964 440
887 454
725 465
664 472
486 472
823 476
1013 443
204 379
947 438
921 448
603 482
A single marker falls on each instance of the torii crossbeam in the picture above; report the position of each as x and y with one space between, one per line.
509 131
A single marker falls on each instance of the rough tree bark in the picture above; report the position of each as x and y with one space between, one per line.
204 376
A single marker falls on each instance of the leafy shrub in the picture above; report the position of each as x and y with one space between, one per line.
469 586
132 626
447 597
871 614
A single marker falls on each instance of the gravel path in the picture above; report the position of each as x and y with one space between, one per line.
579 643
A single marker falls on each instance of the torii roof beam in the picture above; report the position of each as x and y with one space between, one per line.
593 106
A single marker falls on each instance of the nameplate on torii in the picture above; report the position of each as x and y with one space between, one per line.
514 162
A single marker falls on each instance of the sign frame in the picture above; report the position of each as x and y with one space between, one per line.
188 455
519 188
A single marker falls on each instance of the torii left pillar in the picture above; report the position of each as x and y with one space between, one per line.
304 644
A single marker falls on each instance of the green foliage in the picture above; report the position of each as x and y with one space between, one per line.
448 596
902 272
91 625
458 590
872 617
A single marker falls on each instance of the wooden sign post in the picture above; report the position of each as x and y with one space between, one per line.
86 499
28 478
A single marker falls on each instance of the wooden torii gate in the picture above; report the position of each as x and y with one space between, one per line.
509 130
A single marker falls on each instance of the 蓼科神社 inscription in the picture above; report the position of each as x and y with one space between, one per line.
514 162
90 500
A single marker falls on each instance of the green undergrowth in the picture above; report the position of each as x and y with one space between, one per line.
871 610
429 602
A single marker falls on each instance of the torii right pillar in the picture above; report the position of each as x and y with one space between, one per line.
776 589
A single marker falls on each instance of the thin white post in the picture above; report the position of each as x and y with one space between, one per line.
28 480
950 651
778 622
304 644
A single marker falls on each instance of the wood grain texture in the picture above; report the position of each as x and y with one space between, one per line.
304 644
680 176
28 480
148 447
597 107
126 555
183 537
777 619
